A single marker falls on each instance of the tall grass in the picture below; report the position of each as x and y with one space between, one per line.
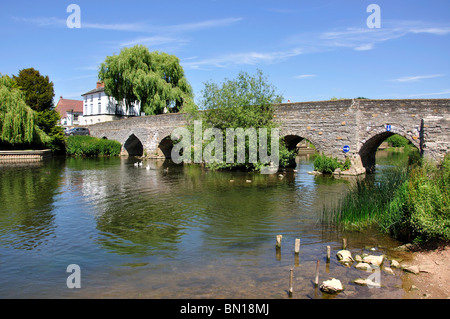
410 203
366 201
91 146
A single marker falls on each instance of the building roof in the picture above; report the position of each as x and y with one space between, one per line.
100 88
66 105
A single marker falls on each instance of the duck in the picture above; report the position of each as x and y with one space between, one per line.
136 164
147 167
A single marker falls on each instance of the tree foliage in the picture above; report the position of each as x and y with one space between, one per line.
156 79
38 89
246 102
18 122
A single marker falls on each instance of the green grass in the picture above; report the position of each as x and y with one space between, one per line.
88 146
366 202
411 204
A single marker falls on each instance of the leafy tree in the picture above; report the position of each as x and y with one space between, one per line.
38 89
156 79
245 102
18 122
39 93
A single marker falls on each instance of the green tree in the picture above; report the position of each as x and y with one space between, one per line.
39 93
245 102
18 122
38 89
156 79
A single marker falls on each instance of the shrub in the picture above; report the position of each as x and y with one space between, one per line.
91 146
328 165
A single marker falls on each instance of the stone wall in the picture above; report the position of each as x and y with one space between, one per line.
329 125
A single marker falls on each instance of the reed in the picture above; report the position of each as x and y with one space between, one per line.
366 201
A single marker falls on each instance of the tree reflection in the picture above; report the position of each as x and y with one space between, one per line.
27 194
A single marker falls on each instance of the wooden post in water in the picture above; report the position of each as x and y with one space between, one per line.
278 244
297 246
291 282
327 266
344 243
316 280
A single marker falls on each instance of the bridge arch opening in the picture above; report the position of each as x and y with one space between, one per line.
298 143
165 147
369 149
133 146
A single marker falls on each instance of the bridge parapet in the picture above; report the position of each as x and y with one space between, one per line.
330 125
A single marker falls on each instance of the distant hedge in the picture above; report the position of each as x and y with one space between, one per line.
91 146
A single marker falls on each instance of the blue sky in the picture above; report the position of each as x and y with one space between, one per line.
310 50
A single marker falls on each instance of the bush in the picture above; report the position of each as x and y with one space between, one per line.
328 165
91 146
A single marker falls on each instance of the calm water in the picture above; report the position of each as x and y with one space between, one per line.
182 233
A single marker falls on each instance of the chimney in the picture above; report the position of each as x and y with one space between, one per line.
100 84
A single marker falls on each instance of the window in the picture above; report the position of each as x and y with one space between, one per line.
92 98
85 109
99 96
99 107
92 108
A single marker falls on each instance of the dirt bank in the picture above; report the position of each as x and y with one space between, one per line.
433 281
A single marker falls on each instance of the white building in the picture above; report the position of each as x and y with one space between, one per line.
99 107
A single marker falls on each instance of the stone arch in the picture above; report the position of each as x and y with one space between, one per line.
165 147
369 146
293 138
133 146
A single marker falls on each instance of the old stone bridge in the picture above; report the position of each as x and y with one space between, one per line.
361 125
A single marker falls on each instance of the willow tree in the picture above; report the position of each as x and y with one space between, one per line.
156 79
18 122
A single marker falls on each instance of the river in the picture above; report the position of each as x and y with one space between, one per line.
174 231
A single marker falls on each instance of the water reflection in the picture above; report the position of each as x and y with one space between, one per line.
166 231
26 213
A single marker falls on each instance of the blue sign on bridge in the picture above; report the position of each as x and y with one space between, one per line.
346 149
388 127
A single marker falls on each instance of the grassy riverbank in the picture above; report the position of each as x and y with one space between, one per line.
91 146
411 204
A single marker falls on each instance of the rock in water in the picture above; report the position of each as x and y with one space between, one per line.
332 286
412 269
374 260
367 282
363 266
344 256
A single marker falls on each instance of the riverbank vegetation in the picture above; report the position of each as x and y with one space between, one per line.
86 146
28 119
241 103
327 165
410 203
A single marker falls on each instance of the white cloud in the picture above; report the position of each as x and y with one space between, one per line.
363 38
134 27
246 58
416 78
304 76
430 94
152 41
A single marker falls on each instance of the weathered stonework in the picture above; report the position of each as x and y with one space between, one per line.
329 125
